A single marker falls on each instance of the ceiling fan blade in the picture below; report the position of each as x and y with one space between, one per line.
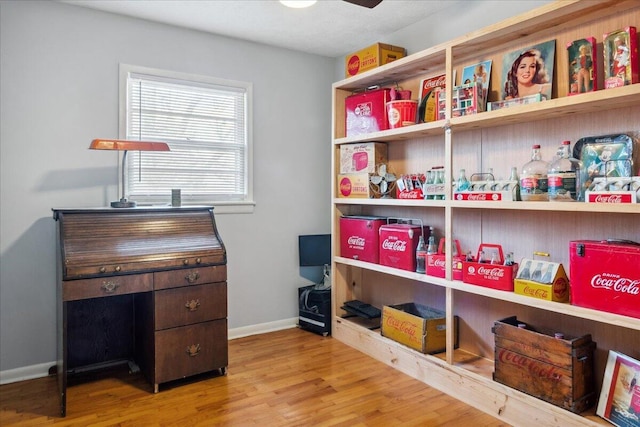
365 3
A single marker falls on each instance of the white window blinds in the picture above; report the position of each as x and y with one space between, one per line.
205 125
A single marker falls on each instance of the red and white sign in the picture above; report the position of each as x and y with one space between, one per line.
605 276
615 197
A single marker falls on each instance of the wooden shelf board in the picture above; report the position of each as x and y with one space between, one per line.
633 208
562 308
461 382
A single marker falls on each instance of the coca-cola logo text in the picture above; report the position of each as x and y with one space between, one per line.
536 292
353 65
356 241
396 245
439 262
611 198
492 273
413 194
406 327
535 368
616 283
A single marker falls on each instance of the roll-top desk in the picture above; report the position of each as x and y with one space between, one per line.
143 286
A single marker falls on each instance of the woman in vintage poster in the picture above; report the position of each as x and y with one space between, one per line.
527 76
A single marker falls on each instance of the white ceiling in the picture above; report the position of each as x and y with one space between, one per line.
330 28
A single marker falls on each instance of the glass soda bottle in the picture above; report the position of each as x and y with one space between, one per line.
432 247
421 256
463 183
561 176
430 180
533 179
439 179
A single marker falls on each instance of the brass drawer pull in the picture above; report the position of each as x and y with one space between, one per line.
109 287
193 350
192 277
103 269
193 304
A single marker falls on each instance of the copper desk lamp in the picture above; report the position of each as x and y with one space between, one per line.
126 145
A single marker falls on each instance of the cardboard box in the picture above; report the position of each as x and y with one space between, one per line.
354 186
359 158
436 262
359 237
605 276
417 326
556 370
366 112
466 99
542 279
372 57
620 58
495 276
398 243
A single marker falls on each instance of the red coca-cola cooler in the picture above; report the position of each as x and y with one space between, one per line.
398 243
605 275
359 237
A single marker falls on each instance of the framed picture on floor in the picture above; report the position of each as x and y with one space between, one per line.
620 396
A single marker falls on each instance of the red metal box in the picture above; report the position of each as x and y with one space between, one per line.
359 237
367 112
494 275
605 275
398 243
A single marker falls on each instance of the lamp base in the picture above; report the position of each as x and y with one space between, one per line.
123 203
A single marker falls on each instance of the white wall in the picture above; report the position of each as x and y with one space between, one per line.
59 86
59 90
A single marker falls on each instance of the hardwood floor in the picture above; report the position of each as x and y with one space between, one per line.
285 378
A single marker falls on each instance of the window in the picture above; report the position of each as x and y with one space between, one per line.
206 123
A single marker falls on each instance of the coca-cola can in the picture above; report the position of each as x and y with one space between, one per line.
605 276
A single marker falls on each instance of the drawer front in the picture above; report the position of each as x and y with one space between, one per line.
190 350
189 276
115 285
189 305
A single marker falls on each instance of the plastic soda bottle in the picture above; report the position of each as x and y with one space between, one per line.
561 176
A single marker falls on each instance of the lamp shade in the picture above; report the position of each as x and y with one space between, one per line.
124 145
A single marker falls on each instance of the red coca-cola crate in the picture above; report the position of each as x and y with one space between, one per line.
496 276
605 275
436 262
398 243
367 112
359 237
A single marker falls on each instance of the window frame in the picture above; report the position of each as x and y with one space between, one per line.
227 206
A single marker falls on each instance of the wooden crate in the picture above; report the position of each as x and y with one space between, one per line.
556 370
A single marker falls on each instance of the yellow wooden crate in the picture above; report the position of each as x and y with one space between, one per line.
417 326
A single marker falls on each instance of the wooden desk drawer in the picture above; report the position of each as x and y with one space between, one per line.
190 350
115 285
188 305
189 276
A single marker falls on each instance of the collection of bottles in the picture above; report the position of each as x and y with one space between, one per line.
508 260
435 176
539 180
424 250
556 181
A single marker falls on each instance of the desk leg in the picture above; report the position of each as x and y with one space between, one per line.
156 388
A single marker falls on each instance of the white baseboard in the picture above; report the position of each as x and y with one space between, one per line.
42 370
25 373
263 328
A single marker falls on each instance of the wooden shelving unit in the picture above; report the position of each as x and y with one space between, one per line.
498 139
